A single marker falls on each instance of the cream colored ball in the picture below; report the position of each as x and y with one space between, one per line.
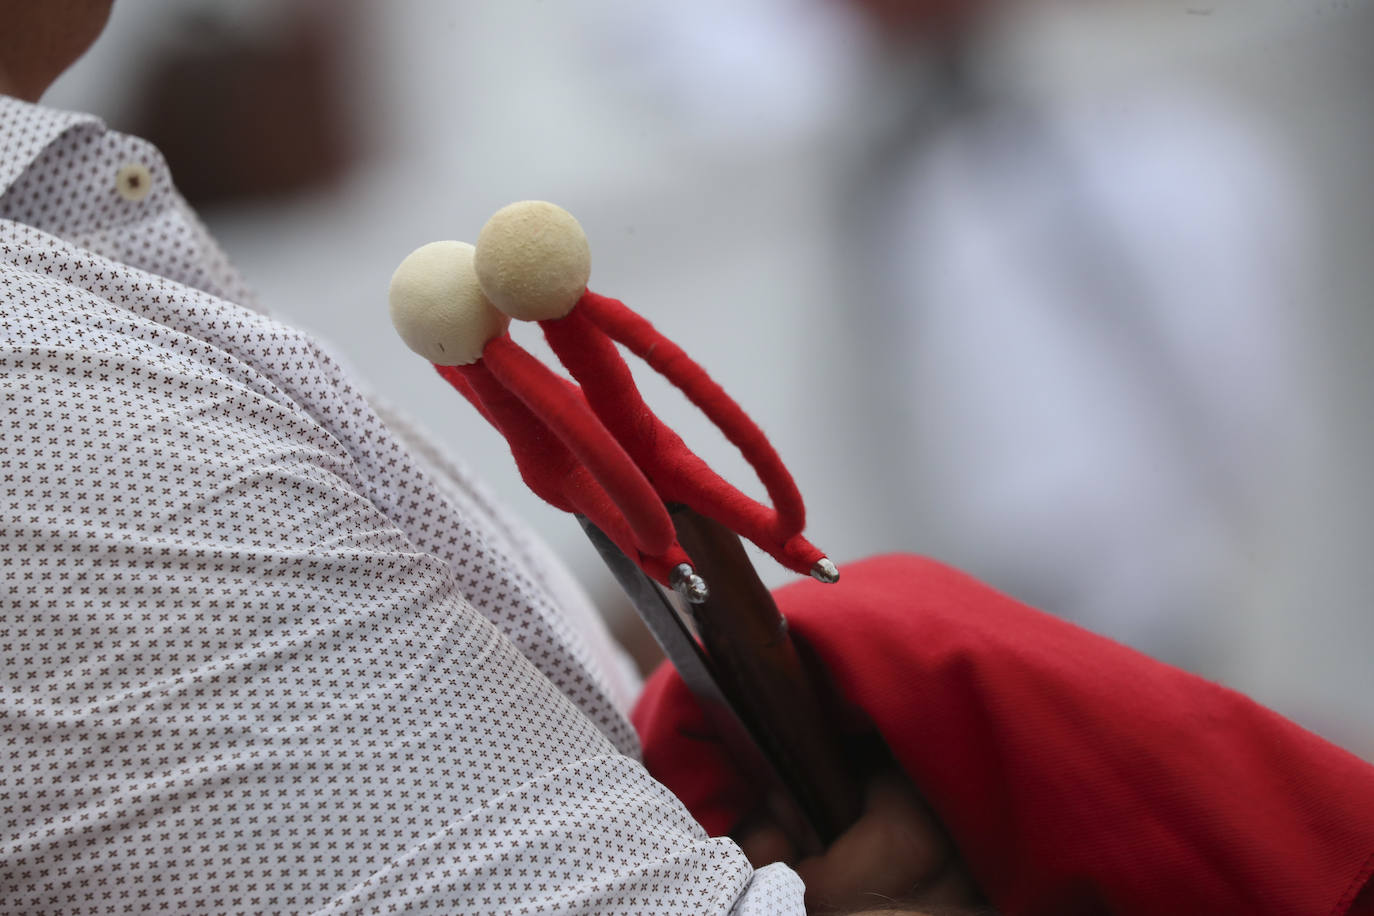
438 307
533 260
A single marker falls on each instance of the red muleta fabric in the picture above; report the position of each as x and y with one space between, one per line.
1074 775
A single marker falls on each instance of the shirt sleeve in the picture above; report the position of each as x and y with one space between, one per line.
233 683
618 672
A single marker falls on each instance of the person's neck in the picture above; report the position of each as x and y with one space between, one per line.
8 86
16 88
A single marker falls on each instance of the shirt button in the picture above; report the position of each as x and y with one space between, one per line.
133 181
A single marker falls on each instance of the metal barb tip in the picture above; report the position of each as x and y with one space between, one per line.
688 584
825 571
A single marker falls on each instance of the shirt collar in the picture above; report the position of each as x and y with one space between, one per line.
26 130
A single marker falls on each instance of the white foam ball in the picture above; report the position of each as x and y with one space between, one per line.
437 305
533 260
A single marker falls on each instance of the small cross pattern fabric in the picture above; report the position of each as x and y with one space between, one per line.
261 650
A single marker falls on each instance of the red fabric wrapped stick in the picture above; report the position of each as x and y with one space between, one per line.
1075 775
515 394
584 342
563 451
532 262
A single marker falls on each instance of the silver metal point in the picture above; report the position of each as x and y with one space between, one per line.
825 571
688 584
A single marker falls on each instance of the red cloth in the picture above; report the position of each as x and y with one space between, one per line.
1074 775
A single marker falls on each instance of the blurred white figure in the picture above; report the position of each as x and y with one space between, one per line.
1084 330
1097 361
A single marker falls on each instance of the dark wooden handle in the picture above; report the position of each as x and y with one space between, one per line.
766 680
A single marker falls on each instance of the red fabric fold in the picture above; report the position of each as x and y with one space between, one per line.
1075 775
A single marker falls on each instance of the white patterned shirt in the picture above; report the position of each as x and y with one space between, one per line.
257 653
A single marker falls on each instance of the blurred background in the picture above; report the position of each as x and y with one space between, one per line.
1076 296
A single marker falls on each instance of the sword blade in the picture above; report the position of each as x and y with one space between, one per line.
670 629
